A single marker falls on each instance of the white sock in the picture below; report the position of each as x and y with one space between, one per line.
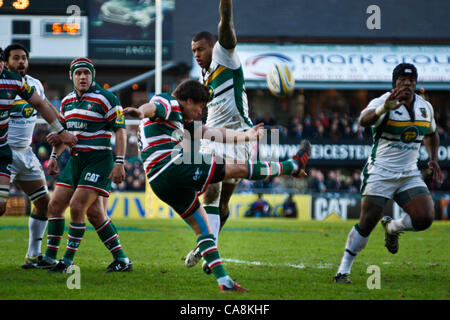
225 281
214 222
36 229
355 243
402 224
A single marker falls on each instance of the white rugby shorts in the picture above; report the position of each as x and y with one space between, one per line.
378 181
25 165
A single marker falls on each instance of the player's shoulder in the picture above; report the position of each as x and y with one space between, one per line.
32 80
6 74
423 102
110 96
164 98
69 97
226 57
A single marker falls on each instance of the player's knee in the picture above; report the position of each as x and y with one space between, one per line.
422 223
55 208
95 216
2 208
76 210
4 195
211 194
41 206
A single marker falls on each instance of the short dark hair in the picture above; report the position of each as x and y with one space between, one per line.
208 36
192 89
2 55
15 46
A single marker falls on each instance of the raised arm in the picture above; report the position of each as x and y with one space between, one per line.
370 117
227 35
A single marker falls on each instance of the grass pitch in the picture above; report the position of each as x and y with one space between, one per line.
277 259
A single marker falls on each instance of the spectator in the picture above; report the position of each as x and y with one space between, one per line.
260 208
318 181
289 208
320 132
334 133
331 182
308 127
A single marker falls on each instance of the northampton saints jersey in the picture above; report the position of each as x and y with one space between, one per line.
229 107
92 118
23 117
398 134
160 137
11 85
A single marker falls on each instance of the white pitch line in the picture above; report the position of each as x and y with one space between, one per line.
268 264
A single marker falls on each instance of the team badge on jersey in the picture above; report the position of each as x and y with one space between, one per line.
424 112
27 87
27 111
409 134
120 119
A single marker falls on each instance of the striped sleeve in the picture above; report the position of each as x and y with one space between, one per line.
26 91
163 107
115 115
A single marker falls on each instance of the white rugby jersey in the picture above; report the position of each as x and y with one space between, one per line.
23 117
397 135
229 108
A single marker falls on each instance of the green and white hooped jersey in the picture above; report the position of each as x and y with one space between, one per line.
229 108
159 137
92 118
11 85
23 117
397 135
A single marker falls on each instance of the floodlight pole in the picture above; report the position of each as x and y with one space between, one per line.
158 47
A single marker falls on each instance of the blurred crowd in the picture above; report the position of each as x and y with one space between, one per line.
332 126
327 126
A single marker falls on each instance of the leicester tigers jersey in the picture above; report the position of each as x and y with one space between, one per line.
11 85
92 118
397 135
23 117
229 107
160 137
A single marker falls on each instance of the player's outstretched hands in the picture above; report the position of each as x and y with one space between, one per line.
438 175
68 138
52 167
393 101
134 112
53 139
255 133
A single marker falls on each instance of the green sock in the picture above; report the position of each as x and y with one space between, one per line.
110 238
76 232
261 170
208 249
54 236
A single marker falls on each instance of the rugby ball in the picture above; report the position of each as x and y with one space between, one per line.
280 80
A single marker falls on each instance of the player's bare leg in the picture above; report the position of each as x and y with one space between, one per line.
371 213
37 222
419 216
